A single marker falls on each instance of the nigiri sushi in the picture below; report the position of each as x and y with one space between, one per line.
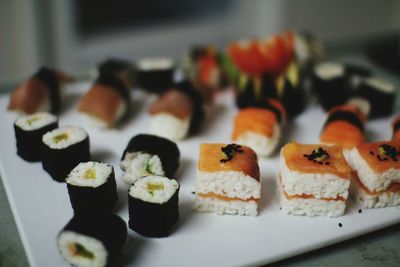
228 180
121 69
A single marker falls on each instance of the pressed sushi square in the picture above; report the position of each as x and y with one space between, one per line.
317 171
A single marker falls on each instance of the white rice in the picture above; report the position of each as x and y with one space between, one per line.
89 174
380 84
154 189
139 164
169 126
361 103
67 241
149 64
329 70
35 121
99 122
73 135
220 207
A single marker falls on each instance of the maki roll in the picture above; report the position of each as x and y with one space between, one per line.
228 180
63 149
177 112
41 92
153 206
149 155
252 90
120 69
29 131
155 74
259 127
396 128
92 239
92 187
107 102
314 180
344 127
376 173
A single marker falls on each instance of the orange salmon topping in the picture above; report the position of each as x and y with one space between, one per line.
29 96
294 156
225 198
342 133
370 152
173 102
211 155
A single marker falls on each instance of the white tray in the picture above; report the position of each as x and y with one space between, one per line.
41 206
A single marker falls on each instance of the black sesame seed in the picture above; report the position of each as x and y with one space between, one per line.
327 163
280 208
305 155
372 153
320 163
385 159
360 210
340 224
394 159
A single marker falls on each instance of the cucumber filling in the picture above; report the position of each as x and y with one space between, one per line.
61 137
79 250
90 174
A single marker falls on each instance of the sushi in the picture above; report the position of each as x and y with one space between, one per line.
92 187
155 74
92 239
344 126
29 130
177 112
396 128
63 149
153 206
376 173
41 92
107 102
120 69
259 127
314 180
228 180
148 154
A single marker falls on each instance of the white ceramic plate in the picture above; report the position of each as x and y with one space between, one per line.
41 206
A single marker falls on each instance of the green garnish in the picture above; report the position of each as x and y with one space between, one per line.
229 151
60 137
90 174
388 150
148 168
80 250
151 187
318 155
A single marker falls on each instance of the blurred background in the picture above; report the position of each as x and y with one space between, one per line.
73 35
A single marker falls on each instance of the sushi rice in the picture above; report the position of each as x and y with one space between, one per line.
139 164
89 174
35 121
64 137
154 189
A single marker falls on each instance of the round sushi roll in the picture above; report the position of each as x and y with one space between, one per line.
92 187
155 74
29 131
153 206
148 154
121 69
93 239
63 149
253 90
396 128
330 84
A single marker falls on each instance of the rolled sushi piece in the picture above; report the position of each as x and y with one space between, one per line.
314 180
228 180
153 206
107 101
92 239
147 155
63 149
376 173
259 127
92 187
121 69
344 126
155 74
330 84
29 131
41 92
396 128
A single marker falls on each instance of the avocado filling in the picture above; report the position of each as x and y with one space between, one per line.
151 187
90 174
61 137
229 151
77 249
318 155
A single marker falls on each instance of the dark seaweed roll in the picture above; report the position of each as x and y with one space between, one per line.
330 84
92 239
63 149
121 69
153 206
155 74
29 131
92 187
149 155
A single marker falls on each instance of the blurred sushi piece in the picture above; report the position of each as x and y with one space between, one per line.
63 149
396 128
153 206
228 180
121 69
147 155
259 127
308 50
344 126
29 130
177 112
92 239
155 74
41 92
314 180
106 102
376 173
92 187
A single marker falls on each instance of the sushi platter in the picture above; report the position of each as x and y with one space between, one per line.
41 206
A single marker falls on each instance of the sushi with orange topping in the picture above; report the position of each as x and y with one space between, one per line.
376 173
314 180
259 127
228 180
344 126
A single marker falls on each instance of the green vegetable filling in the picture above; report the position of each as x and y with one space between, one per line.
32 120
318 155
61 137
388 150
90 174
79 250
151 187
148 168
